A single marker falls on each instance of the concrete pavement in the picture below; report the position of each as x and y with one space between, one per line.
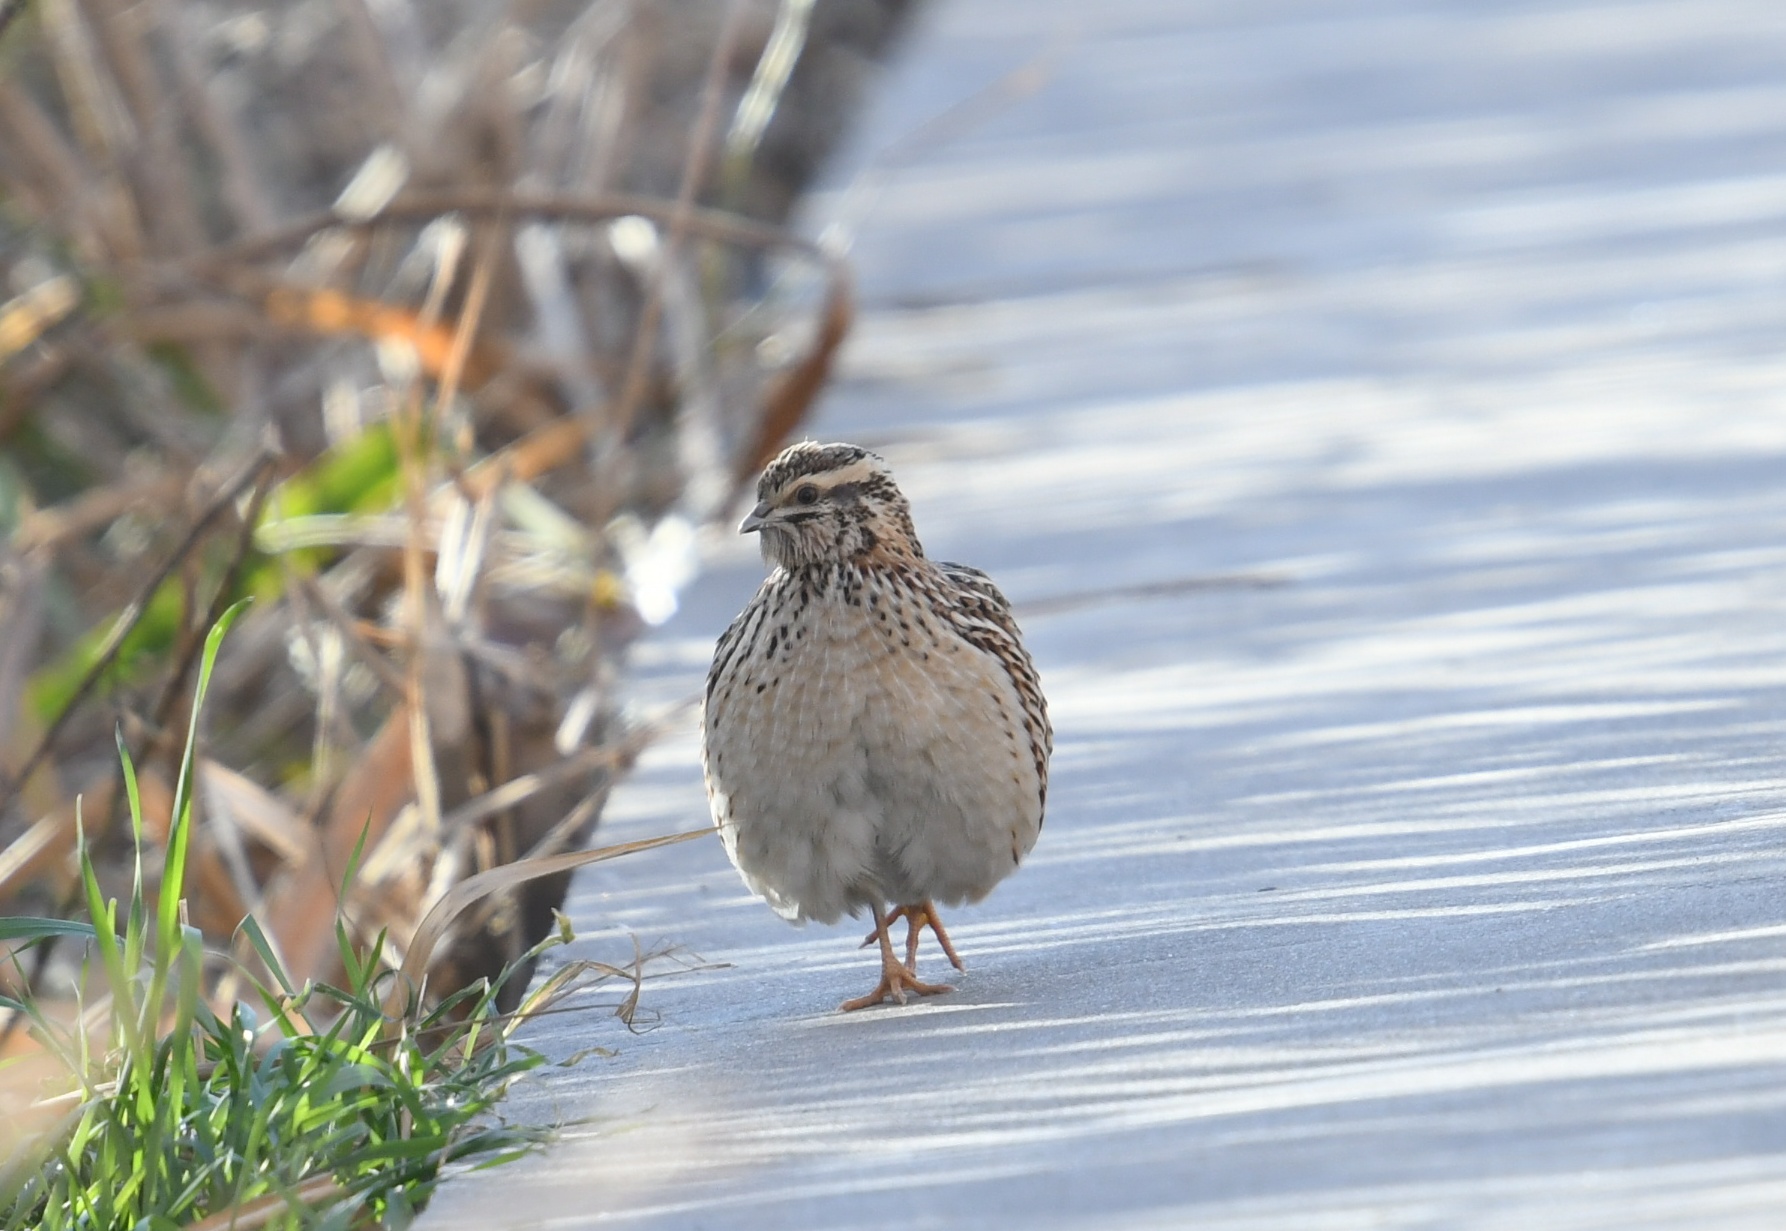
1378 413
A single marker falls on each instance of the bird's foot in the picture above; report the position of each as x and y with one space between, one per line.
897 978
918 917
924 916
896 982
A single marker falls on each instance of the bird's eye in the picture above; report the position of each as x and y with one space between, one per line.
808 494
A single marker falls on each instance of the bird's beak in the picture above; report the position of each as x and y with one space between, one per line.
753 523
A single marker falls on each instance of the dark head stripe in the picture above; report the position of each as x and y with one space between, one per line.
807 457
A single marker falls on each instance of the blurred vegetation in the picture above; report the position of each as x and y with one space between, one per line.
440 330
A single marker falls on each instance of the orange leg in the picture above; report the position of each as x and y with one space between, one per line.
919 917
896 980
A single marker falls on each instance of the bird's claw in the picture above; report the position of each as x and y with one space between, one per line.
895 982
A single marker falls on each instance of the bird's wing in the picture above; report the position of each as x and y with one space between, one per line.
983 618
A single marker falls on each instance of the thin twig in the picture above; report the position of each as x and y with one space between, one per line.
226 589
426 774
154 160
316 592
715 224
555 839
50 528
470 317
410 433
219 126
517 791
694 166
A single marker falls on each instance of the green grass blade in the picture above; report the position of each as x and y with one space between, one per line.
179 836
250 927
103 916
130 791
352 870
136 930
29 929
133 929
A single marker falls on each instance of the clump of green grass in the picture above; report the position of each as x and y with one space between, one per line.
337 1108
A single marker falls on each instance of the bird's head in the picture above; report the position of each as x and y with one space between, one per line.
819 503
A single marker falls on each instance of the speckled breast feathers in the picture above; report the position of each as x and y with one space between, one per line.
873 729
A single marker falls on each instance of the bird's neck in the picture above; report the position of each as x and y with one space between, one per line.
882 561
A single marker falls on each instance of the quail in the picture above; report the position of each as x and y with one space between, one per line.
874 734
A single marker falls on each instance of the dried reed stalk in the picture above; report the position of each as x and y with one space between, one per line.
416 370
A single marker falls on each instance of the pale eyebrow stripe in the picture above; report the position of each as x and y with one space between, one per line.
855 472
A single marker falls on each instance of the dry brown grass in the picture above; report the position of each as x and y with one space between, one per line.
435 328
